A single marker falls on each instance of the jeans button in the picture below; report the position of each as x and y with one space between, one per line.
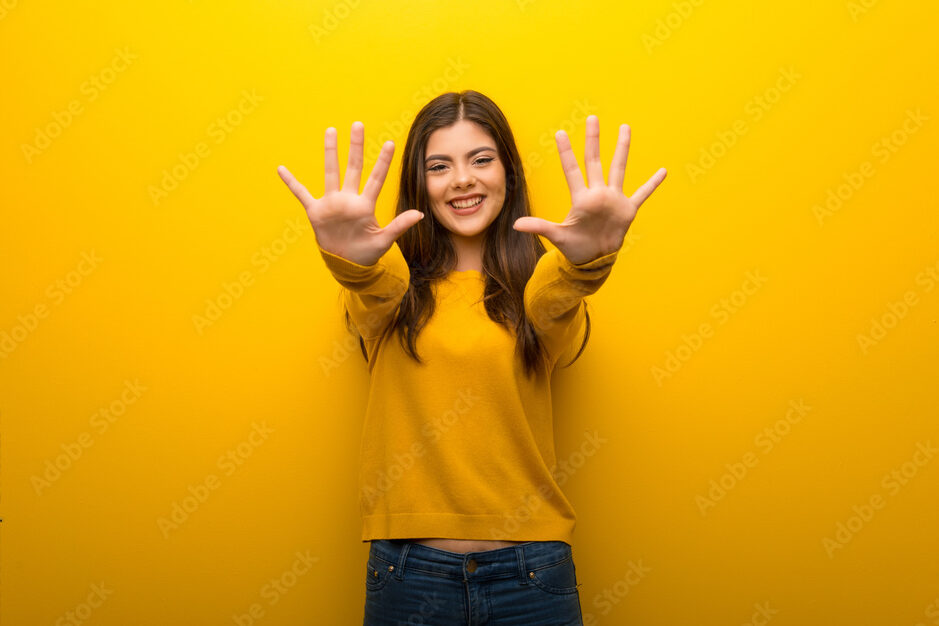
471 566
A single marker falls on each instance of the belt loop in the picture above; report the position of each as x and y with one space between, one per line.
399 574
520 553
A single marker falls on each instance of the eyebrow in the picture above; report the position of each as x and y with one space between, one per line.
444 157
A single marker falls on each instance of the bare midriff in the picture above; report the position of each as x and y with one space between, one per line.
463 545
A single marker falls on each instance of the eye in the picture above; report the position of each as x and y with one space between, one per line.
439 167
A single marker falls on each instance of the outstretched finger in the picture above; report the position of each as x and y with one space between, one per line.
377 178
592 152
356 148
298 189
646 190
538 226
332 161
618 166
402 222
575 180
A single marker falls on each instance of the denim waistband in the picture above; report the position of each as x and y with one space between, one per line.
518 560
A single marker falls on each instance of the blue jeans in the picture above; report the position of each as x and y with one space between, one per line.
529 583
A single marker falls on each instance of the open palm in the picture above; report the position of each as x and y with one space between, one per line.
343 220
600 213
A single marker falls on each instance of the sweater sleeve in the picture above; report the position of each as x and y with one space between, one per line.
554 299
371 293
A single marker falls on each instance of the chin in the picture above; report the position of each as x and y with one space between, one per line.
466 232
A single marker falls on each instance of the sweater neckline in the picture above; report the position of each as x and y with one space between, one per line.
465 273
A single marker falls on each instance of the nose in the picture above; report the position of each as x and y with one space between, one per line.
463 178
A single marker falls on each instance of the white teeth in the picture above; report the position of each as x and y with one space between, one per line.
465 204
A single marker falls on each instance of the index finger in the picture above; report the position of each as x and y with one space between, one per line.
377 178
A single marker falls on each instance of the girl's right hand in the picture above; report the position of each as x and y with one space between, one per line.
343 220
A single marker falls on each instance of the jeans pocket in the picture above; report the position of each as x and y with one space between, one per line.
559 578
376 574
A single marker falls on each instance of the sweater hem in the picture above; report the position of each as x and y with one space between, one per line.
458 526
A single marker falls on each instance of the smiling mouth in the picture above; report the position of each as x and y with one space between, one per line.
466 204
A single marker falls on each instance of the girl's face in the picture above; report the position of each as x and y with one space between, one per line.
462 164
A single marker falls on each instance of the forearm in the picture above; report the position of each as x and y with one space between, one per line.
371 293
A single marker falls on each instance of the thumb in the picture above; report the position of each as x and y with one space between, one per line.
538 226
402 222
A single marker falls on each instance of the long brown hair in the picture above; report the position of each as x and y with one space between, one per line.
509 256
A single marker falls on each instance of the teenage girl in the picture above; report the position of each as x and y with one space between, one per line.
462 315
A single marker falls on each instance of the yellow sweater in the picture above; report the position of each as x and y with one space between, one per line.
462 446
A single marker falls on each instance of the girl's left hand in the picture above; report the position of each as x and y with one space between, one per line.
600 213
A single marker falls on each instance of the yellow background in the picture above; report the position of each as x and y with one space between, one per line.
103 283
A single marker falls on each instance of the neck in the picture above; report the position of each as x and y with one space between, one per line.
469 252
